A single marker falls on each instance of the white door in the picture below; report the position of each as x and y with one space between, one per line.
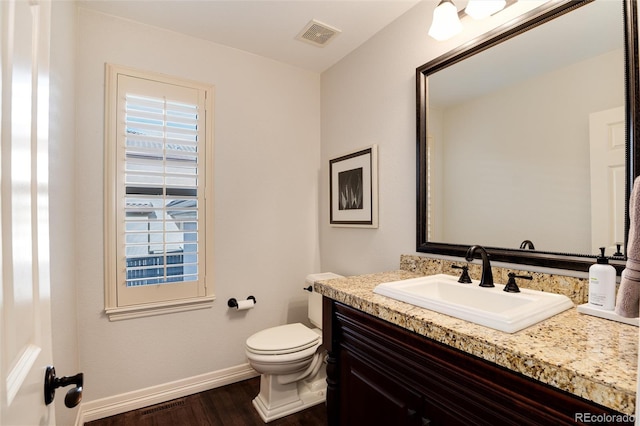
607 139
25 339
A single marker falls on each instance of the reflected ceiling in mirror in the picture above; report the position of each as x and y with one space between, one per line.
512 137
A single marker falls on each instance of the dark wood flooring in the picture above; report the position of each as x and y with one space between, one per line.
228 405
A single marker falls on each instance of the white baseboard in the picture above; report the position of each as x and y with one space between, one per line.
118 404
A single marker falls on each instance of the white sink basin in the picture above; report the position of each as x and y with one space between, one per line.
491 307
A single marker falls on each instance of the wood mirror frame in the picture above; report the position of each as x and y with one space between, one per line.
528 21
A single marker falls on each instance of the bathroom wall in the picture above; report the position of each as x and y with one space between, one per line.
267 158
369 97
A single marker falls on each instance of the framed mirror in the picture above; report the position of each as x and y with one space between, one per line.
527 138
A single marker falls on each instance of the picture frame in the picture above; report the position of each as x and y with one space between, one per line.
353 189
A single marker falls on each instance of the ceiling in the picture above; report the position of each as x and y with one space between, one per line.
266 27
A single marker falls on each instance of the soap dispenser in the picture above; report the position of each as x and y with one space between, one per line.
602 283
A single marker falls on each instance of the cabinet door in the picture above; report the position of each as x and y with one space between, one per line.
372 397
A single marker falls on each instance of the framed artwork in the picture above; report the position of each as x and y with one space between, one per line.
353 189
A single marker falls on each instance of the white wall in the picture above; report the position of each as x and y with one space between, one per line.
369 97
267 126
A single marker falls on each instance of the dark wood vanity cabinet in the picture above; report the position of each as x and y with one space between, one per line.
382 374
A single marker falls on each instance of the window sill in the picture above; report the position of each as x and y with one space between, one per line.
150 309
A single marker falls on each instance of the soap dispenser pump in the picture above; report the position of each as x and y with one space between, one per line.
602 283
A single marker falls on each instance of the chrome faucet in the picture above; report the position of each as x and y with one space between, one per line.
487 276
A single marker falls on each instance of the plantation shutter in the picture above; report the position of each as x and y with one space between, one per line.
158 194
160 186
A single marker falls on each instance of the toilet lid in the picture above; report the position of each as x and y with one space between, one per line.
282 339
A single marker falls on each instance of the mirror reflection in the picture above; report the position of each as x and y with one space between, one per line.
526 140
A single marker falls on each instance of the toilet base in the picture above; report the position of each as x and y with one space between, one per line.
276 401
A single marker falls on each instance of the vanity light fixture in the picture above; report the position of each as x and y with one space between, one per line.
446 22
480 9
446 18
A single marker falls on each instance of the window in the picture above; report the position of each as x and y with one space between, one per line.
158 217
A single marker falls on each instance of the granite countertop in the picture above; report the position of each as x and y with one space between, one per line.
590 357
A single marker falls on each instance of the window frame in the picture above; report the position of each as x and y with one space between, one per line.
114 211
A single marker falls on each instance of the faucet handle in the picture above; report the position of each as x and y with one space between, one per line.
618 252
527 244
511 286
464 277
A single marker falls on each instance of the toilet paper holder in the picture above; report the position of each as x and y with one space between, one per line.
233 302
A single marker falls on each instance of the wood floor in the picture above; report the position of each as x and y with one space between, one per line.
228 406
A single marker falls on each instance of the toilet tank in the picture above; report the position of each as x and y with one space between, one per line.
315 299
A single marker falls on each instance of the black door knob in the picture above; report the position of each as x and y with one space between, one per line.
51 383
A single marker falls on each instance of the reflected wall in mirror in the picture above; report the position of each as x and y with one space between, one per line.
529 134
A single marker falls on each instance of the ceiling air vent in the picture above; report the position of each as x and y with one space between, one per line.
317 33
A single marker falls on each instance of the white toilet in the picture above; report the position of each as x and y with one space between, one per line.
291 362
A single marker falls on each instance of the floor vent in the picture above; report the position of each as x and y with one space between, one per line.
165 406
317 33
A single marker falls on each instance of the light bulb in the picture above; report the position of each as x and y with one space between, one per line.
480 9
446 22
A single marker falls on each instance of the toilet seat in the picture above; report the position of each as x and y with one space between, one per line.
284 339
